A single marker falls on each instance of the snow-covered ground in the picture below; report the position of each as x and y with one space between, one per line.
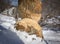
9 35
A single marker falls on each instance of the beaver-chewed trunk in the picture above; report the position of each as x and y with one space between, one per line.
30 9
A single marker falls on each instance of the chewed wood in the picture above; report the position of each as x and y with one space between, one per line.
30 26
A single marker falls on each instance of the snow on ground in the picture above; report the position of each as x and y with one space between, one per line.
11 11
51 35
8 23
